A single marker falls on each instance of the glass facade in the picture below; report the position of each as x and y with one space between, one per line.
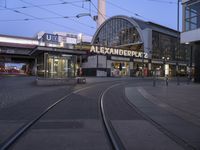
117 32
166 46
56 66
192 15
163 45
60 67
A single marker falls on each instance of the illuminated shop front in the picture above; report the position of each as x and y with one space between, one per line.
57 57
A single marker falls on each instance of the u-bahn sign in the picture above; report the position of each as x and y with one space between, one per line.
116 51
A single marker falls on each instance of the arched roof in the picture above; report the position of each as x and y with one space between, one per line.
130 20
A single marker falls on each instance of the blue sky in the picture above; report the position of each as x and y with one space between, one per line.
48 16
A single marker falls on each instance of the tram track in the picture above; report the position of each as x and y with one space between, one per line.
110 109
164 130
109 130
7 143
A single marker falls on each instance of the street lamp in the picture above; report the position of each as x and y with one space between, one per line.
165 66
166 69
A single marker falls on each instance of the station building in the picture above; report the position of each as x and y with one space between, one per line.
145 47
121 46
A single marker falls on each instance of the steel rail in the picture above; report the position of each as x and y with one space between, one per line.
113 137
161 128
11 139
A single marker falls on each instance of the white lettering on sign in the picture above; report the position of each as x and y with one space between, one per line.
114 51
52 38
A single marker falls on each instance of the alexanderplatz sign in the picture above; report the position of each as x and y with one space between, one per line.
114 51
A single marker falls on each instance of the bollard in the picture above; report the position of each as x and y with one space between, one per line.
154 81
166 80
178 82
188 80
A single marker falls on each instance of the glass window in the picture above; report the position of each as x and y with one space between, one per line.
194 20
163 45
187 26
61 66
192 15
187 14
118 32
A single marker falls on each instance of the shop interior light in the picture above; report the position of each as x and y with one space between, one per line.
65 55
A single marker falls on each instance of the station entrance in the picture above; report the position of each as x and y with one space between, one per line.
61 66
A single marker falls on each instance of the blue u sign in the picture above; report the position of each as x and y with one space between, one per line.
51 38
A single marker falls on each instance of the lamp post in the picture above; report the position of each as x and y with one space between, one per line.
178 44
166 69
143 64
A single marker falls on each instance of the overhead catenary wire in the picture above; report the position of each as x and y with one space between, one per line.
161 1
124 9
77 6
44 5
55 13
137 14
37 18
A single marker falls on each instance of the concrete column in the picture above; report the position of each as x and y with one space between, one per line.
45 64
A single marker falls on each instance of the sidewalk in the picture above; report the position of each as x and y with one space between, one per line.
175 109
183 100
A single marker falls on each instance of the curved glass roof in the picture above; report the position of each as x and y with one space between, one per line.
118 32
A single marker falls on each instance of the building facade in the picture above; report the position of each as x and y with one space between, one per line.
155 45
121 46
191 34
47 55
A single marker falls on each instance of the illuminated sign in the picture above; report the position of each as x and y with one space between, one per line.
116 51
50 38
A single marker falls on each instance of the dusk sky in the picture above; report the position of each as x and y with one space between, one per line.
27 17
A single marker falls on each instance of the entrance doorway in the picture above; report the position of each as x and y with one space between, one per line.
120 68
61 66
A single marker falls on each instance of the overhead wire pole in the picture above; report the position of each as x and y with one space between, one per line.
178 45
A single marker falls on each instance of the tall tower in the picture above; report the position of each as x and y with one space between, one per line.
101 12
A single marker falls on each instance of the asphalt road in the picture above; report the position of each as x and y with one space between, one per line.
76 123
